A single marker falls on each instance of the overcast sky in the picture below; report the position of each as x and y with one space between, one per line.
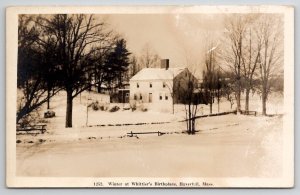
178 37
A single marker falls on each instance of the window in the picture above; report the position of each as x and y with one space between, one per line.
150 85
166 97
141 97
137 85
160 97
135 97
164 84
127 94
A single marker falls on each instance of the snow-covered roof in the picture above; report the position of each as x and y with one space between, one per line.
157 74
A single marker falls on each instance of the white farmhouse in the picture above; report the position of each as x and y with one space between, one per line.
159 88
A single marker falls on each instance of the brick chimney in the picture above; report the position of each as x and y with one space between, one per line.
165 63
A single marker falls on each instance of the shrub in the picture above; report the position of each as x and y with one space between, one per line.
32 118
49 114
95 105
42 121
133 106
114 109
127 107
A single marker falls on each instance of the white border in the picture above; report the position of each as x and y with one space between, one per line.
11 73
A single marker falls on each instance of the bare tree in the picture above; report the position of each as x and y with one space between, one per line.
220 85
210 75
255 52
77 37
270 58
228 89
191 102
250 59
36 72
149 58
233 56
134 67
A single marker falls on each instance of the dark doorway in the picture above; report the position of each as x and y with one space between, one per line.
150 97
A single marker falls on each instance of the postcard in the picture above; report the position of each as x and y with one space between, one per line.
150 96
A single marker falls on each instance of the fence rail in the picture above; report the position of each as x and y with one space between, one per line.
209 115
30 128
247 112
151 132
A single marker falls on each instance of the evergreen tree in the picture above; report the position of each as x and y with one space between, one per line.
117 64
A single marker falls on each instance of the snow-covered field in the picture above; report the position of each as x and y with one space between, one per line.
225 146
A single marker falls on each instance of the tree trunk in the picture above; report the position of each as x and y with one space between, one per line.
190 122
210 103
173 96
238 97
218 103
69 109
264 109
20 115
193 125
173 106
48 99
187 121
238 101
99 88
247 100
264 102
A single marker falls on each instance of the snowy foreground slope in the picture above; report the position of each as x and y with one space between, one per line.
225 146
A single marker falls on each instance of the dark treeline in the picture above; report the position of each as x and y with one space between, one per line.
65 52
